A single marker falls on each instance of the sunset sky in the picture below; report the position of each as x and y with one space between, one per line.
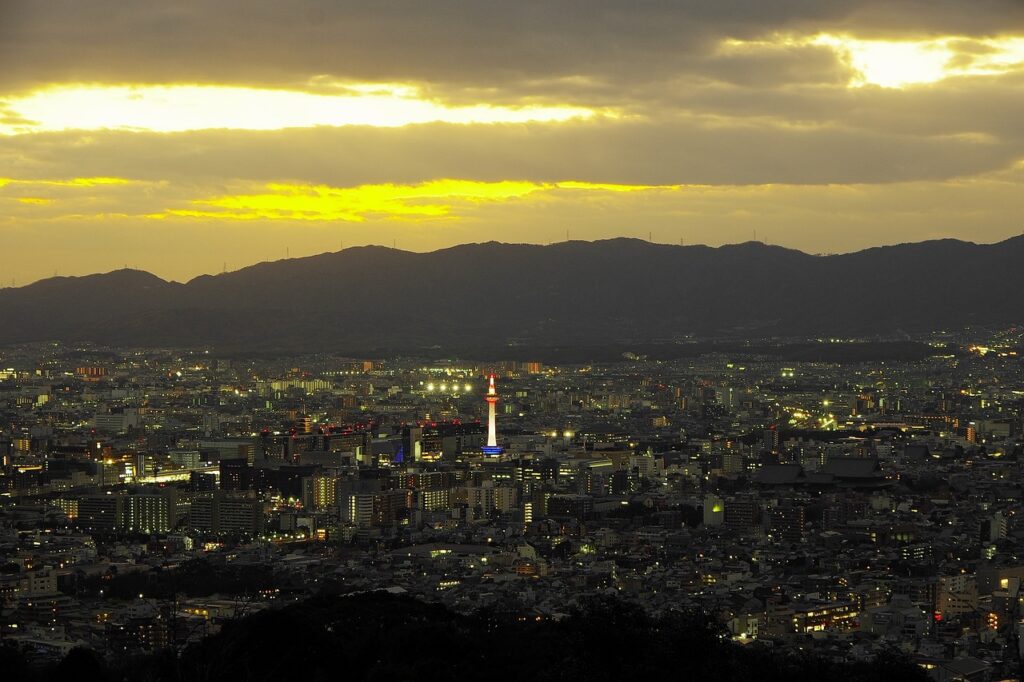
183 136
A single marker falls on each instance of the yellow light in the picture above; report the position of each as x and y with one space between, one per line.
469 387
178 108
427 200
72 182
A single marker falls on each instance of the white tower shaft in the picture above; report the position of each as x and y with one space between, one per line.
492 427
492 414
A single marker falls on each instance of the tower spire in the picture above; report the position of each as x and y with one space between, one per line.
492 421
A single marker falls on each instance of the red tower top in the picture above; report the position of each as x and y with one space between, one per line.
492 392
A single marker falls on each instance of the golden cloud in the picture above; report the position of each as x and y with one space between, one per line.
427 200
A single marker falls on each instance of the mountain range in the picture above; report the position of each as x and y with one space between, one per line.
617 290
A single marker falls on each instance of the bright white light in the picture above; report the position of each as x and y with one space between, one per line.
891 64
900 63
177 108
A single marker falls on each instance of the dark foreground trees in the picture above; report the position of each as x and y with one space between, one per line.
382 637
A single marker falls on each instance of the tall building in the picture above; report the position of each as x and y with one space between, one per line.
375 509
133 513
492 419
325 492
787 522
220 513
714 510
100 512
150 513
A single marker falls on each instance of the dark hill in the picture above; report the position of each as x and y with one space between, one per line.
619 290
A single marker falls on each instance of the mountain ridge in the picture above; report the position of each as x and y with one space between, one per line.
570 292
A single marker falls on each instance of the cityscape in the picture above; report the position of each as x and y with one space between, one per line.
525 341
848 508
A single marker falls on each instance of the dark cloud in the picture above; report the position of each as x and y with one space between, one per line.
990 107
480 43
684 150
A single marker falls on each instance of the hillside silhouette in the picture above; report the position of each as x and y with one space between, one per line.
577 293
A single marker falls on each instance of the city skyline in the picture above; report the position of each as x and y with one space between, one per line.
184 139
804 510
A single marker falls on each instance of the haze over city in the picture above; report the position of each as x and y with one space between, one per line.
184 138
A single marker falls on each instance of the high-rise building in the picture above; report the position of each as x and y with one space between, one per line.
133 513
100 512
714 510
150 513
741 512
325 492
787 522
220 513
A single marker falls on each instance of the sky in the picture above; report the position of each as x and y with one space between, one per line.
186 137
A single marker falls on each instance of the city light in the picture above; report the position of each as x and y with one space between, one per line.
414 340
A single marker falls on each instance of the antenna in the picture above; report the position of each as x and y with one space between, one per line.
567 235
287 252
650 236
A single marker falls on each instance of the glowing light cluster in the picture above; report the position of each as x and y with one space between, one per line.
448 388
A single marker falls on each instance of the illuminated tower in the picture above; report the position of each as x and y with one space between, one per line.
492 419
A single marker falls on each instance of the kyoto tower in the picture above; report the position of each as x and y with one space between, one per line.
492 419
